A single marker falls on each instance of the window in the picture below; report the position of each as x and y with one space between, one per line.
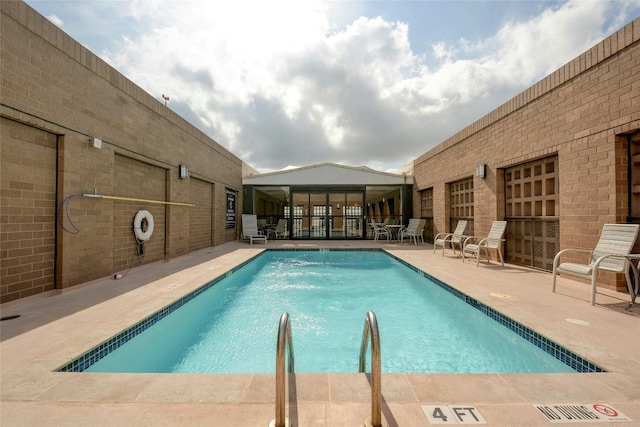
531 202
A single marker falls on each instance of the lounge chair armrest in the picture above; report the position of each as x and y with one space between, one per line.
482 241
596 264
441 234
556 259
469 239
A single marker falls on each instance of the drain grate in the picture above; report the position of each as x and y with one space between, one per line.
15 316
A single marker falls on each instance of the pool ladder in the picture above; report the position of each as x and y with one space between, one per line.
371 329
285 343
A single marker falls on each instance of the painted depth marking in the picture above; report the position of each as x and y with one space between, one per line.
453 414
581 413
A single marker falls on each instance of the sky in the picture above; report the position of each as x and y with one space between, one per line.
377 83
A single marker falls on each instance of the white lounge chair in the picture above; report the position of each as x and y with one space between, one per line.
250 229
414 230
455 238
475 244
616 241
280 231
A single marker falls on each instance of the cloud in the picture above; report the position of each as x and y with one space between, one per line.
278 84
56 20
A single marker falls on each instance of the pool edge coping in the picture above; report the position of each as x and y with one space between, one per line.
561 353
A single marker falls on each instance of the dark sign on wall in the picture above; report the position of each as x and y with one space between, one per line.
231 209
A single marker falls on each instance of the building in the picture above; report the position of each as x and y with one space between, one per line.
557 161
328 201
87 154
71 125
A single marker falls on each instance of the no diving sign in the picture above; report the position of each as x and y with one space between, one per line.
581 413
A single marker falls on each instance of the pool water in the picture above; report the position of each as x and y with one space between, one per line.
232 326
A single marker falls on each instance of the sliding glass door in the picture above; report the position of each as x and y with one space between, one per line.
327 214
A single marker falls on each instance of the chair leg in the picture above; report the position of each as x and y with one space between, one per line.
594 283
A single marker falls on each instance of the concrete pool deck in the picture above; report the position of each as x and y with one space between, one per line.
53 330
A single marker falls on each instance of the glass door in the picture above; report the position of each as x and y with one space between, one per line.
300 215
347 215
319 216
327 215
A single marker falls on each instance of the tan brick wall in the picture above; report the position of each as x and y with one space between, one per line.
140 181
27 210
577 112
53 84
201 230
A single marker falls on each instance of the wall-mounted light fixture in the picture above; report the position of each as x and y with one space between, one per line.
95 142
338 206
183 171
481 171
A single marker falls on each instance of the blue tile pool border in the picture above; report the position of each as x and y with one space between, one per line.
564 355
569 358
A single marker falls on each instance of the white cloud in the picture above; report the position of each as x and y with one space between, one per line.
57 21
277 84
536 48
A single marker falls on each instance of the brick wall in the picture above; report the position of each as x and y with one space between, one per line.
577 113
141 181
27 213
201 231
53 89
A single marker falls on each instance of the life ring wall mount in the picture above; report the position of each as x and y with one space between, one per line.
143 225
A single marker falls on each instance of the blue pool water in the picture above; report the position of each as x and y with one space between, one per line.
232 326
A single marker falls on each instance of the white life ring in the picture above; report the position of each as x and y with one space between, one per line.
143 234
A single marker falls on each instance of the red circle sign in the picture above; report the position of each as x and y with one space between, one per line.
606 410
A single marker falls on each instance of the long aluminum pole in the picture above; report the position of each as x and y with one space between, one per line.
129 199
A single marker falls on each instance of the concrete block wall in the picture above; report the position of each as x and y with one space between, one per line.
580 113
28 205
56 91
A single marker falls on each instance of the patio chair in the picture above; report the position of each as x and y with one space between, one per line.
379 231
370 234
414 230
422 223
455 238
610 254
475 244
250 229
280 231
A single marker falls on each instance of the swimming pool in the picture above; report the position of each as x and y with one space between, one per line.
238 332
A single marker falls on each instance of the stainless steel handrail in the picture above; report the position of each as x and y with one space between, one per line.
371 328
284 338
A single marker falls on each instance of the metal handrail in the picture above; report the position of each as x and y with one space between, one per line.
284 338
371 328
